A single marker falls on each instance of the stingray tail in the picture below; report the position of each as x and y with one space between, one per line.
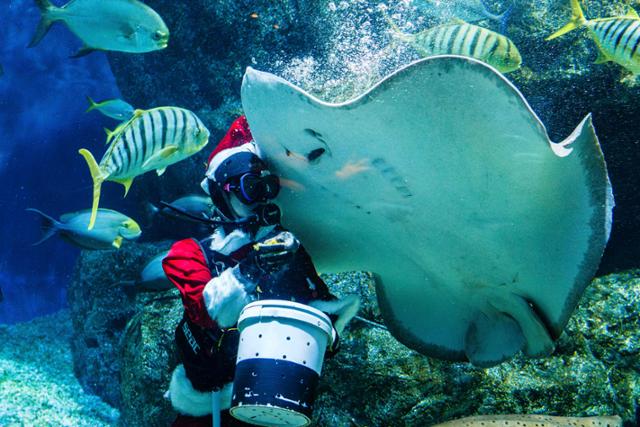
98 179
49 225
48 16
577 20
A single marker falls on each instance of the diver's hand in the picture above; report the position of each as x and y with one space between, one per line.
269 255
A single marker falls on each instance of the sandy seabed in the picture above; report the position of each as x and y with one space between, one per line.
37 384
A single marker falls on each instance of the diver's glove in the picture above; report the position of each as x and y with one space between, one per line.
269 256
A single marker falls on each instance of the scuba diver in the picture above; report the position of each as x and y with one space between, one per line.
248 257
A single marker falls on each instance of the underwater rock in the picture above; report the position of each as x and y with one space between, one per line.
374 380
148 359
101 302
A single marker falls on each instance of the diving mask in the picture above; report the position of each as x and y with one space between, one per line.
254 188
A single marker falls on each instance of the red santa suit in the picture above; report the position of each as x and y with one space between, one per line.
216 279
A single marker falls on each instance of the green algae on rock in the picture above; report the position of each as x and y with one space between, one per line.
375 380
148 359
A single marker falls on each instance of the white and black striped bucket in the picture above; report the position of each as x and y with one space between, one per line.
282 346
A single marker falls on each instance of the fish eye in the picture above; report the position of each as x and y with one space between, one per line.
157 36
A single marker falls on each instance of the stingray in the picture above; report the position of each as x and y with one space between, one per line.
482 233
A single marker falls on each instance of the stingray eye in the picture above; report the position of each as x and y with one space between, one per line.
157 36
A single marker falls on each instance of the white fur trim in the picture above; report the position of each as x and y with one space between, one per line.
184 398
229 243
225 296
346 308
226 244
188 401
249 147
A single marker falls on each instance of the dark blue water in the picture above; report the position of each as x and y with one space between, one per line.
42 126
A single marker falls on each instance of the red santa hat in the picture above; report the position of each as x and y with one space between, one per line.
238 139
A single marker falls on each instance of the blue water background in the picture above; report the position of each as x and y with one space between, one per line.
42 126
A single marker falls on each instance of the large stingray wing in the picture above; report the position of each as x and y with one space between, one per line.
443 182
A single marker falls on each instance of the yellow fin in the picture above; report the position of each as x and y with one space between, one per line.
602 57
127 184
161 155
92 104
397 34
631 13
577 20
98 179
117 242
110 134
458 21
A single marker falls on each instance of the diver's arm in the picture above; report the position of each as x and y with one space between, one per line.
187 268
225 296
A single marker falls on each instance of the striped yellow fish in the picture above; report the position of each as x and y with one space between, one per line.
150 140
465 39
617 38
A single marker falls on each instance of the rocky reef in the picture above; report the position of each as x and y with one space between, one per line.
374 380
102 299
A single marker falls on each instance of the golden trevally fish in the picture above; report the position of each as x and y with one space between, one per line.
150 140
111 227
119 25
617 38
461 38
